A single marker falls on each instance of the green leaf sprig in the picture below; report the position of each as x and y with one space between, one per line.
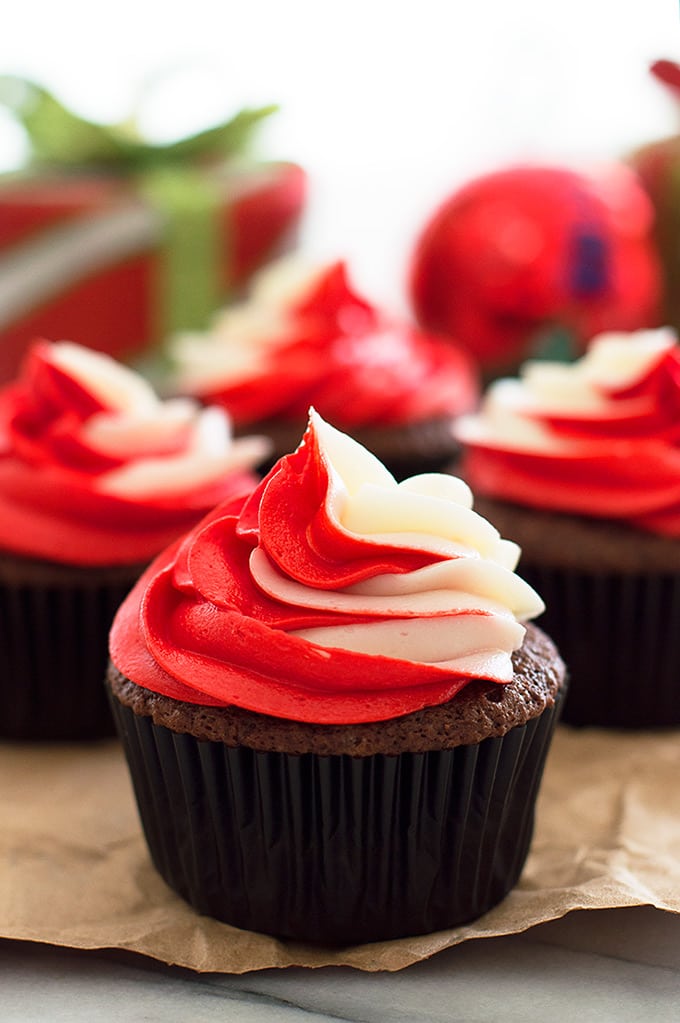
58 136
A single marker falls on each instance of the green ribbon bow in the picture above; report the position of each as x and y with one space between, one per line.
171 176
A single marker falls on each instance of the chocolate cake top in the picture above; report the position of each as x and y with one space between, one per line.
481 710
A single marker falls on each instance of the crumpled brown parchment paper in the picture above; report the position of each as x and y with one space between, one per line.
74 869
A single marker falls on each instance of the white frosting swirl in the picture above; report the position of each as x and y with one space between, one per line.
242 335
167 447
461 613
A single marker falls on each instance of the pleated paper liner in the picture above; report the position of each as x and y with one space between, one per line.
54 624
337 849
620 638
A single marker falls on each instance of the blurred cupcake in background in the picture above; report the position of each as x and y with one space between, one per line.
97 475
536 260
306 337
580 464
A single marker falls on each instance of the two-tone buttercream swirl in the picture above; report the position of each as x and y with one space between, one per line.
333 594
308 338
598 437
96 470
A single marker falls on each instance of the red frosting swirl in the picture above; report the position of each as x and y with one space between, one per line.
225 616
336 351
72 428
617 457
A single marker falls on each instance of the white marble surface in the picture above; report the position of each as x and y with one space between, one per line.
604 966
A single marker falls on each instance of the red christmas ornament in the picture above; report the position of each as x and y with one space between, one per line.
516 257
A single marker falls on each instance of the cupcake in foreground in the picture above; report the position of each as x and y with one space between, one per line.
97 475
581 464
335 721
306 337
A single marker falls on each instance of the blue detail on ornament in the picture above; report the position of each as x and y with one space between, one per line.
589 264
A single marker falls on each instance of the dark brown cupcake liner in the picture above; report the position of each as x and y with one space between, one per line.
620 638
337 849
54 625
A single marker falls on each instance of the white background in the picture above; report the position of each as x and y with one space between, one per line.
388 104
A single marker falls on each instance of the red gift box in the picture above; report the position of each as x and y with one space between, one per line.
90 236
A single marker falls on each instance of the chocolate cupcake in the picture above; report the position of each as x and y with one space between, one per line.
335 722
306 337
97 475
580 463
